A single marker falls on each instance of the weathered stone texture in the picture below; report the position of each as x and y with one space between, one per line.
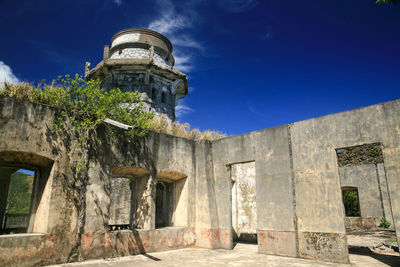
297 186
363 154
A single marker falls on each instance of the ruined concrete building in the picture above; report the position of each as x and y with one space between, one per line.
281 187
141 60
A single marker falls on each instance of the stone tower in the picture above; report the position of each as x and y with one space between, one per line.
141 60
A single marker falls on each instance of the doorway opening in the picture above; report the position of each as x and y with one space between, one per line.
365 198
244 213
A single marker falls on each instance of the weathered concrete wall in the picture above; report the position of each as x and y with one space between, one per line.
225 152
120 201
277 225
370 180
27 129
298 188
318 196
27 141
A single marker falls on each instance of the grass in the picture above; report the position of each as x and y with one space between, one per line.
162 124
159 123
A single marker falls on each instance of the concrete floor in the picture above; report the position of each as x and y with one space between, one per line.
241 255
377 240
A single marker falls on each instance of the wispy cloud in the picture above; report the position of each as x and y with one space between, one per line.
183 63
176 25
182 109
237 6
6 74
118 2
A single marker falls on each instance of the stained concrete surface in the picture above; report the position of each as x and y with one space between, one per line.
241 255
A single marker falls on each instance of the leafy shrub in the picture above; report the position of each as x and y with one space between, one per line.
86 104
384 223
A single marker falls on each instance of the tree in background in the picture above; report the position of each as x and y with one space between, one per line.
351 203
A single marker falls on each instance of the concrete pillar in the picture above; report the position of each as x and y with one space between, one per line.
276 219
387 210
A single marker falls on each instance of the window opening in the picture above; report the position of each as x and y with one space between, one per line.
163 97
351 202
15 200
154 94
122 204
164 193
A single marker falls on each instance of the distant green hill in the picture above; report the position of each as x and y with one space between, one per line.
19 194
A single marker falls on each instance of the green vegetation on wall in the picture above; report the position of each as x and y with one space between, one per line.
351 203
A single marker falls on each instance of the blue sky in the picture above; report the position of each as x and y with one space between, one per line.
250 64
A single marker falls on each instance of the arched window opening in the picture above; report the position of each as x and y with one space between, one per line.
351 201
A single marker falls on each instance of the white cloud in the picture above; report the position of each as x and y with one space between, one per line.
183 63
169 23
6 74
186 41
118 2
175 26
182 109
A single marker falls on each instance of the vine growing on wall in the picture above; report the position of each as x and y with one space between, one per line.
81 106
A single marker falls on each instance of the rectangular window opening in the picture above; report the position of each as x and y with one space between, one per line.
164 204
122 204
16 187
351 202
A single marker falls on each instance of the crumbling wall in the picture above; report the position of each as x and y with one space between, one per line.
318 194
28 141
362 167
61 213
298 188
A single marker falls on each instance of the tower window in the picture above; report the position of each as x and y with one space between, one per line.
163 97
153 94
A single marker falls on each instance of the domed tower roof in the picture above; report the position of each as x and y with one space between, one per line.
141 60
137 37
